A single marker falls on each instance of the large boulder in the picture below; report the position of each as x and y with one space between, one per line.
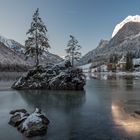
60 76
30 125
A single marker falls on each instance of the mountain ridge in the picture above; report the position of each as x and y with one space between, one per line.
10 48
126 39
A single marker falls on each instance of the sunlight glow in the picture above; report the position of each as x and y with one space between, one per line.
129 123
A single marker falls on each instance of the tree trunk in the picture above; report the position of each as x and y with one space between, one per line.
72 59
37 59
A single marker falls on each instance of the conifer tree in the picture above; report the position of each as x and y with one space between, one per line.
37 40
73 50
129 61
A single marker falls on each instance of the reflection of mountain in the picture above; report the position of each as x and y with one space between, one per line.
53 99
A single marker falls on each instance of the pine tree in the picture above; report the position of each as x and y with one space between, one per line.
37 40
73 50
129 61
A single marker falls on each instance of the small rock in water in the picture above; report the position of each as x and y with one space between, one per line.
30 125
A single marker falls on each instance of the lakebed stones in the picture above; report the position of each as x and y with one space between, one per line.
30 125
53 77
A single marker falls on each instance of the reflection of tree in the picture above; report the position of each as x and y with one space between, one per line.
103 76
49 99
129 83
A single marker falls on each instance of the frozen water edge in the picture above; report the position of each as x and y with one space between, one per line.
128 73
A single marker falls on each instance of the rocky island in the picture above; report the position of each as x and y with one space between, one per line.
60 76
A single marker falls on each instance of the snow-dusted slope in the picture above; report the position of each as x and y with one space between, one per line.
12 44
87 58
126 20
10 61
20 49
12 55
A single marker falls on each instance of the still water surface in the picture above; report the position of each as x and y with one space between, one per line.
104 111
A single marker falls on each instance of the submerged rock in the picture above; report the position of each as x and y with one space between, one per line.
59 76
30 125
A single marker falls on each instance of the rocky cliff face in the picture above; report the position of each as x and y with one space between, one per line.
95 55
125 38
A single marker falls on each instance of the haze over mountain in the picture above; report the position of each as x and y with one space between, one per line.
125 37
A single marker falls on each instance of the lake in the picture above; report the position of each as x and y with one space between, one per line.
104 111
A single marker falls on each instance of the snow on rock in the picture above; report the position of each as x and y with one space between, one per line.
53 76
126 20
32 118
30 125
17 117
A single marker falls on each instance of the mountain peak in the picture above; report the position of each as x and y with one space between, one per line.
130 18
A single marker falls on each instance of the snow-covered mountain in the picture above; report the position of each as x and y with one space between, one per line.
12 44
10 61
94 54
12 54
126 37
126 20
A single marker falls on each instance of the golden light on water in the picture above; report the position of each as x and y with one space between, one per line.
126 121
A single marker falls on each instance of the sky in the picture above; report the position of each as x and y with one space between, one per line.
88 20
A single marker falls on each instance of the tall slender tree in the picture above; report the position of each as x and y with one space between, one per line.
73 50
129 61
37 40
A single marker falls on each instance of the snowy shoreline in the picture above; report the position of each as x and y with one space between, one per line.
118 73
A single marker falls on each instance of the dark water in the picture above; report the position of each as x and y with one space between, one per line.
104 111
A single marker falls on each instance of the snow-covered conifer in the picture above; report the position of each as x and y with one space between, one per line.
73 50
37 40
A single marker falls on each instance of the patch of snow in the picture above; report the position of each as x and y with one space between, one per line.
136 61
135 18
20 113
32 118
85 66
11 44
19 80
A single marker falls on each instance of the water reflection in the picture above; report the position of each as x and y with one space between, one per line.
129 82
103 76
105 111
129 122
52 99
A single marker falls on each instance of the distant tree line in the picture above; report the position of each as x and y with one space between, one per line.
114 58
13 67
129 61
